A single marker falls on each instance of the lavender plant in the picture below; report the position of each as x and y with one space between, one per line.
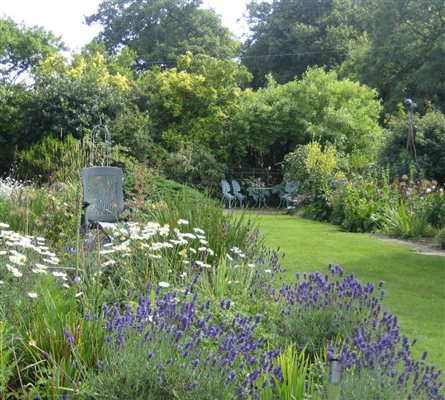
319 310
346 316
172 347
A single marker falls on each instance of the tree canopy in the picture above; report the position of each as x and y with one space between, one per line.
289 36
403 52
21 48
161 30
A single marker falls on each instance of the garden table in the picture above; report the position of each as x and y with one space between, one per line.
259 195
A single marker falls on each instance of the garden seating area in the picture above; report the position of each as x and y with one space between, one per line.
257 194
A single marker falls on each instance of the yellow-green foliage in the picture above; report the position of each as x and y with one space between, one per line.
314 166
91 66
321 162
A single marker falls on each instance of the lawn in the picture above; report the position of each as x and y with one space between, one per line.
415 283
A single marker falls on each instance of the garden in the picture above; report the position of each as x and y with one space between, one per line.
174 295
189 302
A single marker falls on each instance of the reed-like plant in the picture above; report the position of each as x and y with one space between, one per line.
408 219
7 362
296 376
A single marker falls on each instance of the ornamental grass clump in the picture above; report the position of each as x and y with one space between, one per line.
169 345
154 252
239 276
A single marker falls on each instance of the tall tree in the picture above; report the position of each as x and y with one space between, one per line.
21 48
288 36
403 54
193 102
161 30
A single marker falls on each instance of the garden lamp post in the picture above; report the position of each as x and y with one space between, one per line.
410 106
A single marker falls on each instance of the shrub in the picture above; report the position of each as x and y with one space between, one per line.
319 311
369 385
360 204
429 141
316 169
347 317
195 166
52 159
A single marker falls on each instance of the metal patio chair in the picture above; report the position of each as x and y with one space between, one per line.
226 195
237 192
290 190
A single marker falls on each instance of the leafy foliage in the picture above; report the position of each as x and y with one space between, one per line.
273 120
317 170
429 141
21 48
13 99
195 166
161 30
287 37
402 51
73 98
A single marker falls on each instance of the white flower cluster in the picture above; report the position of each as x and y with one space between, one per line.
22 253
156 239
8 187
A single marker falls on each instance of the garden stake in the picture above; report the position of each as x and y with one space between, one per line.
334 379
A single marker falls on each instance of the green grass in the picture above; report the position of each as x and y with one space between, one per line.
415 283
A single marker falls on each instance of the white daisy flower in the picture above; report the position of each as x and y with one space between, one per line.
14 271
106 251
155 256
50 261
59 274
187 235
18 259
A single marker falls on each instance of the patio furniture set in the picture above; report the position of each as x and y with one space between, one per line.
258 192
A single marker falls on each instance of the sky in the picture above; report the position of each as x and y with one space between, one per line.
65 18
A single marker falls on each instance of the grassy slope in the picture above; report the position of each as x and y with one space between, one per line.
415 284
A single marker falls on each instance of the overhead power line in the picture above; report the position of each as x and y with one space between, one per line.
290 54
